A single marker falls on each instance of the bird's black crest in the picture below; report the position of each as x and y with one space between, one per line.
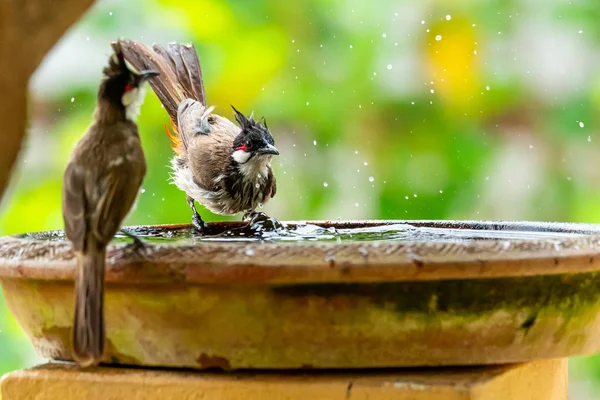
116 64
250 123
252 129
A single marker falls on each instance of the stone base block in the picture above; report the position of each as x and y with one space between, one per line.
541 380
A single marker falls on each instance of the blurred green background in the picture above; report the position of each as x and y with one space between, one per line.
388 109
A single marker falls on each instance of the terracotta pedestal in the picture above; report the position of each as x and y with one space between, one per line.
539 380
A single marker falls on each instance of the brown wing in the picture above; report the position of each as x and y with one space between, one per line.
74 205
192 120
208 154
119 189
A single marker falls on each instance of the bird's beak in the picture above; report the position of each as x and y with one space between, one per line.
143 76
269 149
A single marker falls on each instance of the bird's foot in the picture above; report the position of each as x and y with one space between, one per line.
137 246
198 223
247 217
261 222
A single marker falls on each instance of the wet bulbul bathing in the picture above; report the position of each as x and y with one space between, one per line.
100 185
224 167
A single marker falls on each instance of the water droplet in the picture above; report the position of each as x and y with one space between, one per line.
580 31
259 176
422 22
474 51
389 67
366 163
531 146
441 191
415 195
487 178
371 179
581 125
350 46
307 103
257 185
432 91
314 142
72 99
110 13
143 190
325 184
589 138
249 252
487 88
383 35
448 17
438 37
261 205
355 204
406 197
355 151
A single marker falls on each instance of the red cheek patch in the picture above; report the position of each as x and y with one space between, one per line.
242 147
128 87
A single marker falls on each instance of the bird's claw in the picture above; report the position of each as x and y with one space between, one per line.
137 246
247 217
198 223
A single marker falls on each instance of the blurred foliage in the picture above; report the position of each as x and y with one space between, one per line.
433 110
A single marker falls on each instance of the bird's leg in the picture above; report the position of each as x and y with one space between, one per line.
197 221
137 242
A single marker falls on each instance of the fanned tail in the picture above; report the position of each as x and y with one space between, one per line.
180 77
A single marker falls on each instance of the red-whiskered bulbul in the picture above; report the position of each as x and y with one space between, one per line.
224 167
100 186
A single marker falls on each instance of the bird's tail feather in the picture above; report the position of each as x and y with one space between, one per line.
88 326
180 75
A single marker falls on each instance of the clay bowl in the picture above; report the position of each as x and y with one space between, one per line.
472 293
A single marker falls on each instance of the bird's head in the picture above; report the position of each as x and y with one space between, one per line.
122 87
254 144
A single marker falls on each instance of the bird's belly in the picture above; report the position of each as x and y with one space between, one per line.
245 197
228 203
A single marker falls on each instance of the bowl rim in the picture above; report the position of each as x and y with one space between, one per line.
320 262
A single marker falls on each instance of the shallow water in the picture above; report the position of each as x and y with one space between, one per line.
265 229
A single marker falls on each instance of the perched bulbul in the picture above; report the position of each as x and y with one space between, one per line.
224 167
100 185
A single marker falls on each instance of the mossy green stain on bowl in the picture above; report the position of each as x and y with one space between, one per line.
567 293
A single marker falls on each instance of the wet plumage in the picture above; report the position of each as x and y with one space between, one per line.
223 166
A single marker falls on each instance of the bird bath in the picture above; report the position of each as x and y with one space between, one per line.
327 294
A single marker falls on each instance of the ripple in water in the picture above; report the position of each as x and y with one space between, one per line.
262 228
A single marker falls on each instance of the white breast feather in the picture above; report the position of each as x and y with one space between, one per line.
132 101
